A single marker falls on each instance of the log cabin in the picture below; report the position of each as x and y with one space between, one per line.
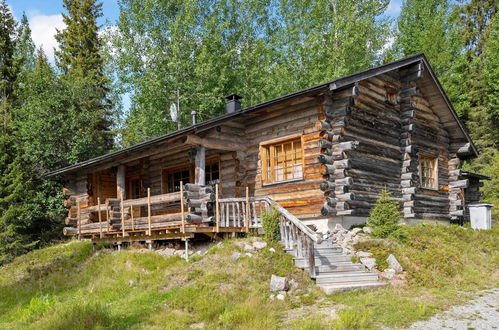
321 155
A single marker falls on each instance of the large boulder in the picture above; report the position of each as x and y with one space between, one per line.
259 245
367 230
364 254
355 231
393 263
278 283
370 263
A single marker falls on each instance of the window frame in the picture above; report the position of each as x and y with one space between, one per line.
269 146
191 167
434 164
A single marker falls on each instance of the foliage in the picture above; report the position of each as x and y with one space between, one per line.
270 223
145 290
141 289
385 215
82 64
264 48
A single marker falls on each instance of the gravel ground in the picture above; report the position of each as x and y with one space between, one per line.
481 313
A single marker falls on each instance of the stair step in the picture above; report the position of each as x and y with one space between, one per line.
331 260
329 249
346 278
339 267
332 288
328 253
324 244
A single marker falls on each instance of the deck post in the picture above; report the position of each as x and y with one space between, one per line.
186 249
78 219
149 209
131 215
217 209
182 205
122 215
100 216
107 215
247 209
200 163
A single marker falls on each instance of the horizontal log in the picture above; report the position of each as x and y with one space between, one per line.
329 159
327 186
327 210
165 198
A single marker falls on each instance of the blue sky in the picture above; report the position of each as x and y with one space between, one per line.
45 16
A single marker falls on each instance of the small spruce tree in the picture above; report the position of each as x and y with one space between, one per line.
385 215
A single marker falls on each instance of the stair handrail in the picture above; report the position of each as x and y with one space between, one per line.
316 237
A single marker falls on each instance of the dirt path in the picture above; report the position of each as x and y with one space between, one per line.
480 313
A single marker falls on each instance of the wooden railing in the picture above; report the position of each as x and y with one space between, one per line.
241 212
295 235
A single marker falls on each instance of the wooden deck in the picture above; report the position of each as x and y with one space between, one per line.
194 210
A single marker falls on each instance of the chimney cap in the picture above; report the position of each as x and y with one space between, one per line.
233 97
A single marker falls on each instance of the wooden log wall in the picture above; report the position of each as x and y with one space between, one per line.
423 134
363 122
303 198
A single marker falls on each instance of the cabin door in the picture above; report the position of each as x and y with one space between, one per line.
135 190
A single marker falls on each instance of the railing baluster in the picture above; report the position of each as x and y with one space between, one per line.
234 214
253 206
217 209
149 210
228 215
238 215
122 215
247 209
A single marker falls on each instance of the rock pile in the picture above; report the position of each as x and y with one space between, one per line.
347 238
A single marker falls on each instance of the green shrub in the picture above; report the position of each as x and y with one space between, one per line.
385 216
270 223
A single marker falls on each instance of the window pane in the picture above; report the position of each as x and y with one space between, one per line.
287 161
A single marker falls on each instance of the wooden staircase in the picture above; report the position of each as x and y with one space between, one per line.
335 272
332 270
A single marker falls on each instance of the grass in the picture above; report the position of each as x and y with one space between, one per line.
70 286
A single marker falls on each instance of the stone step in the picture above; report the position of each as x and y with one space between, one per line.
346 278
332 288
339 267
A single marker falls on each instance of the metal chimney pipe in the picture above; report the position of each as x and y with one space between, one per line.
233 103
193 115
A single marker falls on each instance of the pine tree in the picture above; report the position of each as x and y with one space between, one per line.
25 48
81 62
9 68
385 215
476 18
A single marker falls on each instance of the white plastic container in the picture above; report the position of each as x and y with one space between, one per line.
481 215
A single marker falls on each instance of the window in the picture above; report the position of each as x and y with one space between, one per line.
212 173
185 173
428 171
282 160
173 177
134 187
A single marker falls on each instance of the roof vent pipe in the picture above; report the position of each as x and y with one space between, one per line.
193 116
233 103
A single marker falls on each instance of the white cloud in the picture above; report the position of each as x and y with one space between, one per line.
43 29
394 7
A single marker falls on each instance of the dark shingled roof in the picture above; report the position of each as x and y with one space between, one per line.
330 85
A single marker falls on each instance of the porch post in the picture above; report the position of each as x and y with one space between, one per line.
200 165
120 181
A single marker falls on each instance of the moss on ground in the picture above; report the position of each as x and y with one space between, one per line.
69 286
